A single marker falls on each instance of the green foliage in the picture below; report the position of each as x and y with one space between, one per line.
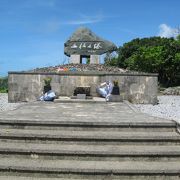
115 83
88 60
152 55
111 62
4 85
178 38
47 81
147 59
110 59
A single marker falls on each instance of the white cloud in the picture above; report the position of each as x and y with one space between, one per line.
51 26
54 25
86 20
167 31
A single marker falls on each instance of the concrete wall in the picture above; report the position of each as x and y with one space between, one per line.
137 88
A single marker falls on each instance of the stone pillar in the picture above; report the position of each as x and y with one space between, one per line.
94 59
75 59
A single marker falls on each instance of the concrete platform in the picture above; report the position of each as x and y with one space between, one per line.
106 113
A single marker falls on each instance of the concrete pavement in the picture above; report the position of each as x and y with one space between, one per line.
80 112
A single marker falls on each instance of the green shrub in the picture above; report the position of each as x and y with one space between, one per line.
47 81
4 85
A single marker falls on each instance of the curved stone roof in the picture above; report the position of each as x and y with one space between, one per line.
84 42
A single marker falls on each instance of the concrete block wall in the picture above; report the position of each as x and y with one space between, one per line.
137 88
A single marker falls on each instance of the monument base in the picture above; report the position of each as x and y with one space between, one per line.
115 98
77 59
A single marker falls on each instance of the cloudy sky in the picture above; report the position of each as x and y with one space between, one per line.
33 32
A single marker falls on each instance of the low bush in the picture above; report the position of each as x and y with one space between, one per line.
3 84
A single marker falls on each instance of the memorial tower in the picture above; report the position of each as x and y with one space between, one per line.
85 44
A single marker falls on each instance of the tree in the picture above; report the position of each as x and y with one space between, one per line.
110 59
178 38
152 55
3 85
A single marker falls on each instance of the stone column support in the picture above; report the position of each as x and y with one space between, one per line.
75 59
94 59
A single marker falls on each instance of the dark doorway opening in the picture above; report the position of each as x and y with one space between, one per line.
84 59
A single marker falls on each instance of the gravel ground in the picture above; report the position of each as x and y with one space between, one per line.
168 108
82 68
4 105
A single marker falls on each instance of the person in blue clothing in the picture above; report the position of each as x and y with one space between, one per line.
105 90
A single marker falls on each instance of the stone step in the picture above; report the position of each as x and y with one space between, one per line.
30 177
71 125
60 135
93 142
89 167
40 176
19 148
73 100
91 128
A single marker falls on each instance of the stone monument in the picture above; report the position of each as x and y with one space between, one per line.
71 81
85 44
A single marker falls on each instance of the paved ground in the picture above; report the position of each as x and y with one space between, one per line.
79 112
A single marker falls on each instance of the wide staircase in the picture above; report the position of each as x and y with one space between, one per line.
88 150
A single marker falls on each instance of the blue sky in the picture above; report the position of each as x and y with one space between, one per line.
33 32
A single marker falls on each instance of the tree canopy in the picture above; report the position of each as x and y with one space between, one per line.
152 55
